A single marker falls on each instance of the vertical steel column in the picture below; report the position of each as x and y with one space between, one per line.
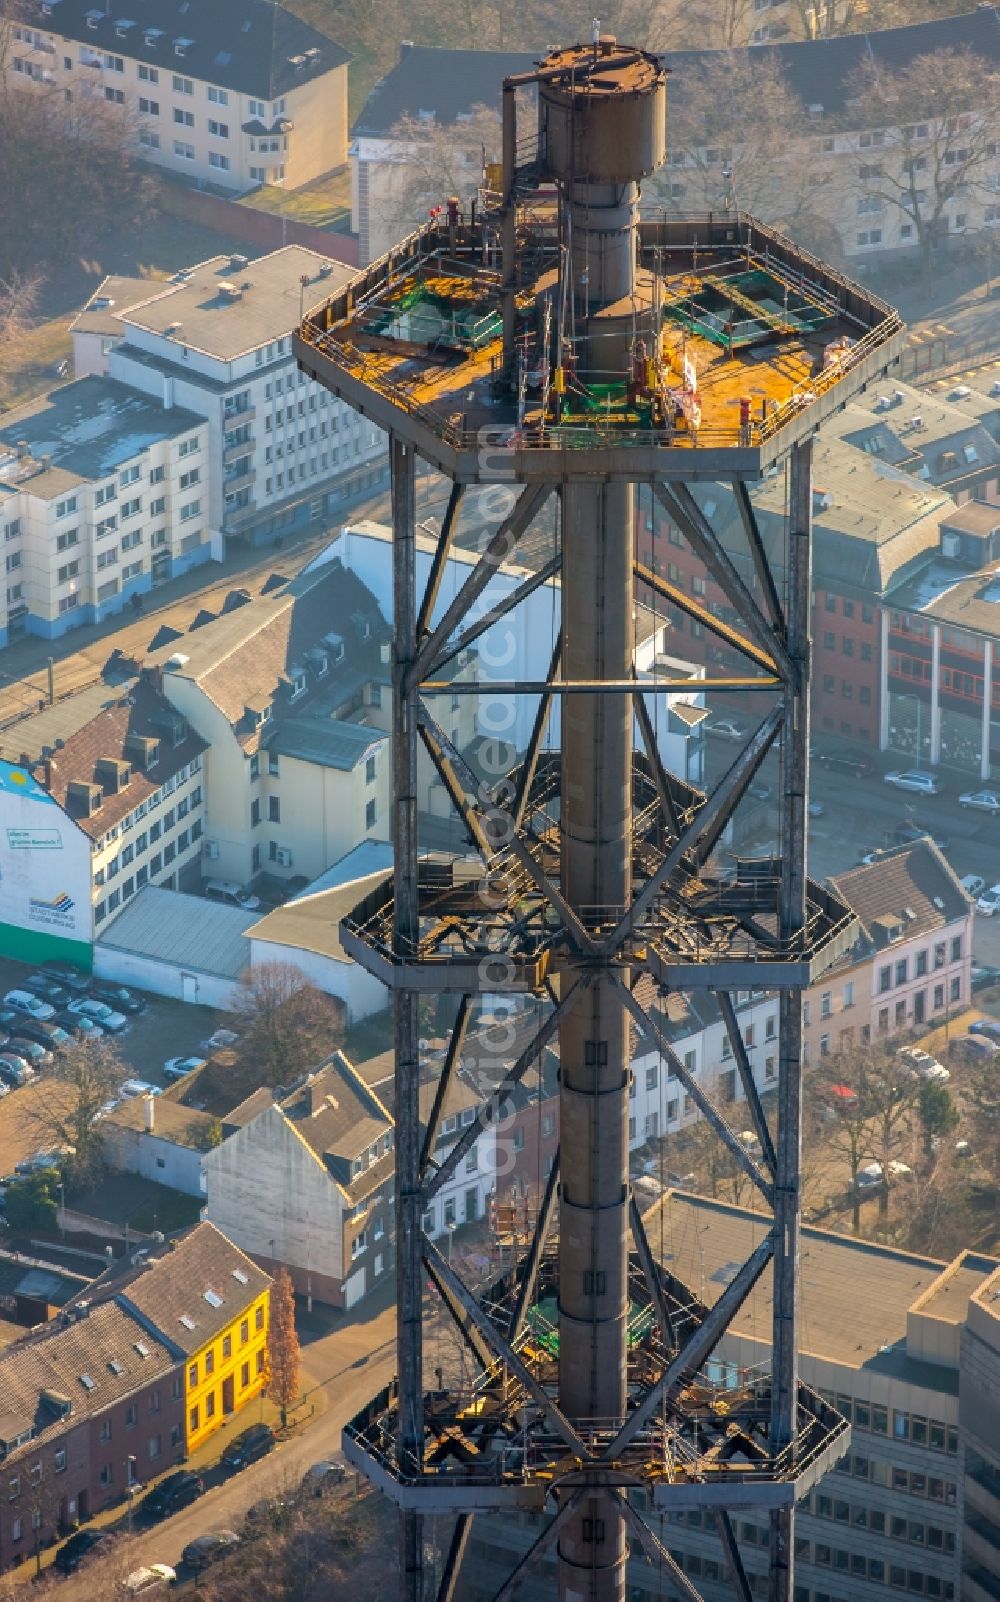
598 553
508 225
409 1273
794 821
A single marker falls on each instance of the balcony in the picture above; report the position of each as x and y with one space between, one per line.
231 482
233 419
236 517
232 453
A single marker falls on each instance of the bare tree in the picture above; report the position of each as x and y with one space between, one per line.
432 162
741 138
286 1025
80 1083
928 141
982 1119
835 1089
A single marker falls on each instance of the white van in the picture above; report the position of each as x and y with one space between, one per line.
226 890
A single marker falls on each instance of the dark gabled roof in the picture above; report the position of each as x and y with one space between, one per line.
911 887
89 1362
168 1293
447 83
251 46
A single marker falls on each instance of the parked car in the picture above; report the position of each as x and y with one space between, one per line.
913 779
231 893
150 1581
46 989
79 1546
989 901
79 1025
816 809
180 1067
113 1022
66 973
989 1027
322 1476
972 1049
726 729
138 1087
981 801
14 1071
50 1035
178 1490
870 1176
973 885
23 1001
248 1446
30 1050
219 1041
849 762
983 976
923 1064
118 997
208 1548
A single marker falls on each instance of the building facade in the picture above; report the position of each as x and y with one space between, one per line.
216 340
234 98
209 1303
106 796
102 490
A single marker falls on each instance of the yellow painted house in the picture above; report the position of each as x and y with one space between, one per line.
209 1302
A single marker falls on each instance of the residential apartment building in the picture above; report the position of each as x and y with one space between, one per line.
102 491
308 1182
287 693
100 794
916 935
216 340
909 969
234 97
208 1303
85 1397
853 168
912 1508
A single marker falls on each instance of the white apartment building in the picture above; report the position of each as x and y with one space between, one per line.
852 169
216 340
290 692
100 794
236 95
102 490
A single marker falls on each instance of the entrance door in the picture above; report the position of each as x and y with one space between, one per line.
471 1205
228 1395
189 988
918 1007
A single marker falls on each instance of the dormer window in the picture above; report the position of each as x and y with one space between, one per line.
298 683
93 18
182 46
153 37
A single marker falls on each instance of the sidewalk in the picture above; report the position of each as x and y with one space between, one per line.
206 1460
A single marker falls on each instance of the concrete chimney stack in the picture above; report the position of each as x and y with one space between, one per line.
150 1114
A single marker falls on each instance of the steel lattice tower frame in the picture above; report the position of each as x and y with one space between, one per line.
599 861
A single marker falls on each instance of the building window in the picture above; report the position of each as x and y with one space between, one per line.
194 1419
107 1473
182 86
259 1318
371 813
209 1405
193 1374
274 809
227 1347
956 949
955 989
59 1460
885 979
901 968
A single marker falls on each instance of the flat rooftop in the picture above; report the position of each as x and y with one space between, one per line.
948 1300
226 310
84 431
704 1242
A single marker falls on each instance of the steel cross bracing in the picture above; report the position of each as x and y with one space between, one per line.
520 1436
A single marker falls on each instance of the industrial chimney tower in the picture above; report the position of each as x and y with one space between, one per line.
548 340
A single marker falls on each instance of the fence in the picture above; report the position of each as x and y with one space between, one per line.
260 228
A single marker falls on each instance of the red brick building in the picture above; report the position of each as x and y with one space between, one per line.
78 1400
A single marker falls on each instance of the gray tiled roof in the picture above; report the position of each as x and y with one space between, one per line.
93 1361
169 1292
253 46
447 83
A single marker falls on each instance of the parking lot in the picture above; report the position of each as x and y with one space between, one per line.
165 1029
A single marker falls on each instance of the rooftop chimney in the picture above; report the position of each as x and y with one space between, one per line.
150 1114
